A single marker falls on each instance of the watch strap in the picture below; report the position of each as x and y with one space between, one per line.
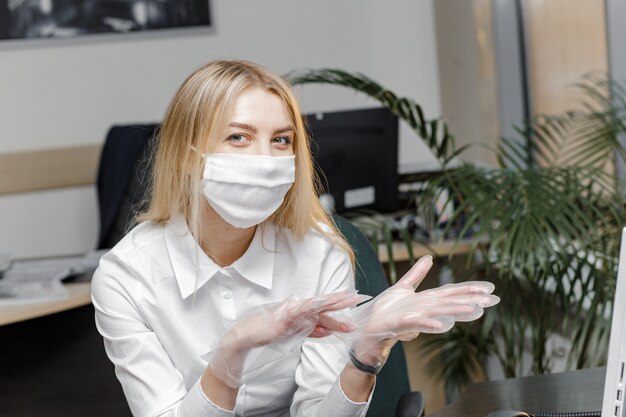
369 369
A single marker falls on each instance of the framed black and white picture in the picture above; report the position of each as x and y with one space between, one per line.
37 19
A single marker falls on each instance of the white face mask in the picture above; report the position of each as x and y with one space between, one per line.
246 189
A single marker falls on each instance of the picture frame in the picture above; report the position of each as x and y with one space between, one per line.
64 19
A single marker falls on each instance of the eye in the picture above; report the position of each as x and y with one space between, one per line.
282 140
237 139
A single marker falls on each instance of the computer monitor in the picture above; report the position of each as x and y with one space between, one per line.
614 383
356 154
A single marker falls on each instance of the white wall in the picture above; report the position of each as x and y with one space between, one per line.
67 93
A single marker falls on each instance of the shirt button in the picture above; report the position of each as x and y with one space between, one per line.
227 294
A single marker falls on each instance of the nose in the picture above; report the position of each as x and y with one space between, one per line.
263 148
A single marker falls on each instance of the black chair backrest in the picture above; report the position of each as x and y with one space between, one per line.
123 175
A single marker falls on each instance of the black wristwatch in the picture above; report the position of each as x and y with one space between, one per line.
368 369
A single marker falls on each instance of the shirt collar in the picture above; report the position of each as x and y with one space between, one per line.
257 263
190 263
192 267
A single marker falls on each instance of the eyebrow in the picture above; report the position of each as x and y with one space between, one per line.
253 129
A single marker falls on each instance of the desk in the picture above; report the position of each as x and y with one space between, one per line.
564 392
78 295
53 363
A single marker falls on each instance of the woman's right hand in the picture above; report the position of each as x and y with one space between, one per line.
282 326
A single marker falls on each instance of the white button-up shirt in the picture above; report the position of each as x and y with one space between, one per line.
161 304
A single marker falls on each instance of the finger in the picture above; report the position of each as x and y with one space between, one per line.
459 312
301 312
462 312
299 324
335 301
434 325
334 324
307 307
495 300
470 316
332 298
406 337
460 288
480 300
294 315
418 272
293 308
319 332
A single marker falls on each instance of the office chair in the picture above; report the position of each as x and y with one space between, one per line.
392 383
125 164
123 173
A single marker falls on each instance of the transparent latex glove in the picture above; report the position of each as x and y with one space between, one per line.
400 313
265 334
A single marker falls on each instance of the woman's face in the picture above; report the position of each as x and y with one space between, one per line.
260 125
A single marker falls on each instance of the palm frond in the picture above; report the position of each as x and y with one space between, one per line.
434 131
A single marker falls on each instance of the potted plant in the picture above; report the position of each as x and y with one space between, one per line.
545 228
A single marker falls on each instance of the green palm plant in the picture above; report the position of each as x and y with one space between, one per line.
546 223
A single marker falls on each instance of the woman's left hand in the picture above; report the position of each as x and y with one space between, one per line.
400 313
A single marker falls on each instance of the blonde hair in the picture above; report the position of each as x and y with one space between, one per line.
199 114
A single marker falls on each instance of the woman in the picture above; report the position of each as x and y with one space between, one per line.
220 300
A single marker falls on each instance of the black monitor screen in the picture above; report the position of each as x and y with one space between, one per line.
357 153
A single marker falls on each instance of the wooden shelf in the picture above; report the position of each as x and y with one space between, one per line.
437 250
78 295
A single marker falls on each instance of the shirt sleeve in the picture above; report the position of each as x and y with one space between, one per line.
151 383
319 391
